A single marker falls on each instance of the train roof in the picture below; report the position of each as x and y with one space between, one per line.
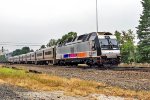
45 48
104 33
108 36
85 37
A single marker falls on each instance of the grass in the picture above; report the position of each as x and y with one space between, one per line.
73 86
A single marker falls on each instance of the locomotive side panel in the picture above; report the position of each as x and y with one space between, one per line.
76 50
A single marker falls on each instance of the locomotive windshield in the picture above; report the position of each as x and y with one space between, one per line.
109 44
104 41
114 43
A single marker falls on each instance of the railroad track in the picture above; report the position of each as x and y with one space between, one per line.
114 68
141 69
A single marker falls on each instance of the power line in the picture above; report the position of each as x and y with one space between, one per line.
20 44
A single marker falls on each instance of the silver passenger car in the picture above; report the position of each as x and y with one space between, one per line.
45 56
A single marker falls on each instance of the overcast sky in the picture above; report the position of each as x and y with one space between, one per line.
37 21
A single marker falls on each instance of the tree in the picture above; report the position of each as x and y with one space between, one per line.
144 33
52 42
24 50
68 36
3 58
42 47
31 50
63 39
16 52
118 36
126 41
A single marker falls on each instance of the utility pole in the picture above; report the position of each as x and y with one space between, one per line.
2 49
96 16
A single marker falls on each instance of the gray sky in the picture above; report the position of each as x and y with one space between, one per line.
37 21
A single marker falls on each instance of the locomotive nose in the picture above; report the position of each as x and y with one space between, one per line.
111 53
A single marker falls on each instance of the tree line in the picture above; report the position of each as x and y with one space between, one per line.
130 51
64 38
24 50
139 53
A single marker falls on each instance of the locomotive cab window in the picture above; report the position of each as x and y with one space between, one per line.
103 41
80 37
104 44
113 41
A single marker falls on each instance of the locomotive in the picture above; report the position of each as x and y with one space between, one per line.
96 48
